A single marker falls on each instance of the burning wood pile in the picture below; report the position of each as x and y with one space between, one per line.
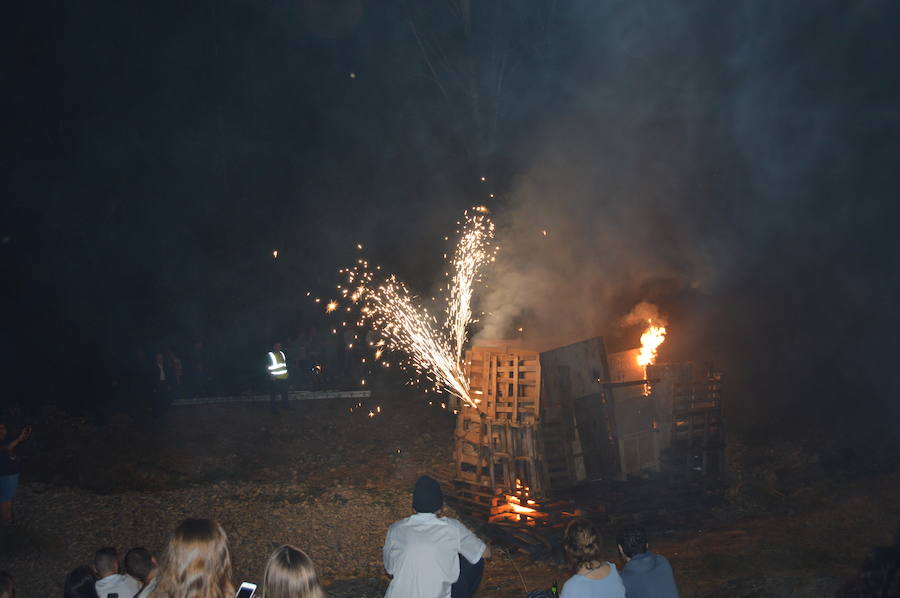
545 421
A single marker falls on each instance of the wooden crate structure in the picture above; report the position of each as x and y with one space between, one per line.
635 414
497 443
666 419
549 420
698 426
539 424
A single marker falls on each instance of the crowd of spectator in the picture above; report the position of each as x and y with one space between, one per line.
425 555
196 563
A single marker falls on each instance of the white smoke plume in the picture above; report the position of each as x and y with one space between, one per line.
641 313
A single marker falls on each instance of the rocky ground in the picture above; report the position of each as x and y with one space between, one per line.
328 478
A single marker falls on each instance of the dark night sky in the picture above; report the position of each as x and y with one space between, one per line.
734 163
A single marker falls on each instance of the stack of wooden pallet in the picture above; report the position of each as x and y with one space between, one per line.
498 442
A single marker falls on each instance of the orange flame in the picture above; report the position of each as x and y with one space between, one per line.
517 506
652 338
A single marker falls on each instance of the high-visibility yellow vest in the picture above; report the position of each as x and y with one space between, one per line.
278 365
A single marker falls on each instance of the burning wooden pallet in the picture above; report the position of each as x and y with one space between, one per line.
522 430
545 422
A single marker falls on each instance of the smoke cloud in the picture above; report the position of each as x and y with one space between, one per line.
641 314
714 161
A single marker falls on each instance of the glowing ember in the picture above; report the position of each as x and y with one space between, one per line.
434 349
516 505
332 305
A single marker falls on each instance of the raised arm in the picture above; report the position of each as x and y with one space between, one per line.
23 436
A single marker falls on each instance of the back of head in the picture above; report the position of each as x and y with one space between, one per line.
290 573
106 561
196 563
427 495
80 583
7 585
633 540
879 576
139 563
582 543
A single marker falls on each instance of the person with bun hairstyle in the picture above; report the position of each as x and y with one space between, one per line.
195 564
290 573
594 577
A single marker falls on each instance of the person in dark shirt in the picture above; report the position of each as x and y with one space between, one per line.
9 471
7 585
80 583
645 575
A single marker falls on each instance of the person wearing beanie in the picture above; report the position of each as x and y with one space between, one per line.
430 556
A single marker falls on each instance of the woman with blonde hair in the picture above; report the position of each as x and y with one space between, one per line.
291 574
594 577
195 564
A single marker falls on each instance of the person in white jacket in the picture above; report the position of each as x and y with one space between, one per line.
106 562
429 556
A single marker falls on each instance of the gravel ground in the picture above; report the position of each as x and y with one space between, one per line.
330 480
323 476
342 529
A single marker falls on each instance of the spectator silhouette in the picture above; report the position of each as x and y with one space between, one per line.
279 375
594 577
645 574
195 564
879 576
290 573
7 585
430 556
106 563
142 566
9 471
80 583
162 384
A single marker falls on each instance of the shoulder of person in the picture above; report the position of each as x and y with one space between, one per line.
398 523
572 586
456 523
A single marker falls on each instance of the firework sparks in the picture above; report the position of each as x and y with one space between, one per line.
434 348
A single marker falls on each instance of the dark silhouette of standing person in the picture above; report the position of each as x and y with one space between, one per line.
162 384
9 471
278 377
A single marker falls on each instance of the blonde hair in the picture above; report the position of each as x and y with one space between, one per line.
290 573
196 563
582 543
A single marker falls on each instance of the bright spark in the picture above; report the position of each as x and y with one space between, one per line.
434 347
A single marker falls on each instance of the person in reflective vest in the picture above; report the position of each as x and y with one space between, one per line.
278 377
